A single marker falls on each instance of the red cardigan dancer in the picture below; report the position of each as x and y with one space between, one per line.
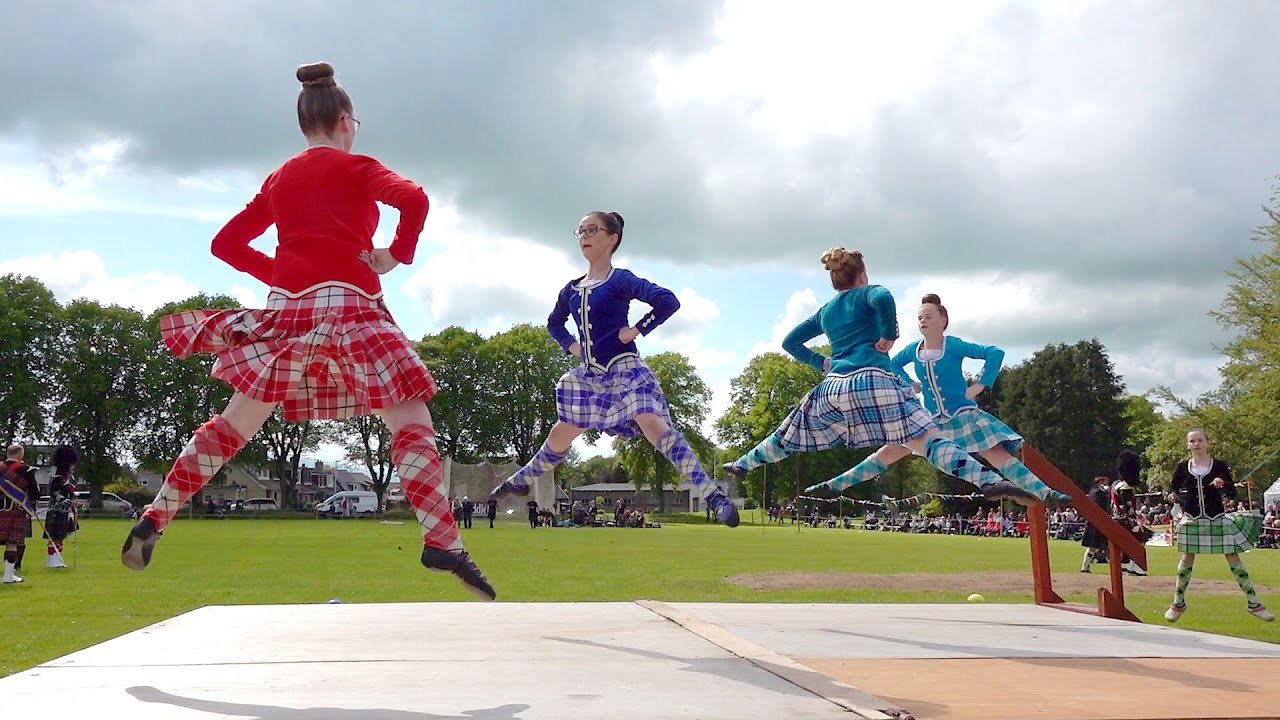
325 347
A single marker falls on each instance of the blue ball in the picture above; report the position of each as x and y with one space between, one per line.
335 601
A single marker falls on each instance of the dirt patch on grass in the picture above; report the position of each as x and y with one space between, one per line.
983 582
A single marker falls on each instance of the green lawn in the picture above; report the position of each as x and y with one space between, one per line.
210 562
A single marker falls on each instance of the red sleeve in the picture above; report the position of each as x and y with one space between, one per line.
402 194
231 244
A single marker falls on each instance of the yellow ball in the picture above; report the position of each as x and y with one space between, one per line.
976 598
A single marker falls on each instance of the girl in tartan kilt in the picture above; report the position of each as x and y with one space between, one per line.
611 389
861 402
950 398
1200 486
325 347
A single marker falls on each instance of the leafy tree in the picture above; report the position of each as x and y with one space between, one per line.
101 371
29 332
367 441
459 411
1066 400
521 368
285 443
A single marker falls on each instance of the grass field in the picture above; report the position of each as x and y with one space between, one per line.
210 562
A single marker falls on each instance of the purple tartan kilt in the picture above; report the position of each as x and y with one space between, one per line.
610 401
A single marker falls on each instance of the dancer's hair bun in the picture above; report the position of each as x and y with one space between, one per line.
838 257
316 74
931 298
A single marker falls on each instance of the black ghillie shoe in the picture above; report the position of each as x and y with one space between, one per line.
1005 490
136 553
459 563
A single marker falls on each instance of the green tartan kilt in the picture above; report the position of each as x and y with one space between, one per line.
1229 533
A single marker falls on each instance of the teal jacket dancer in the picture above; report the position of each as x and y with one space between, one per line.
938 362
942 381
854 321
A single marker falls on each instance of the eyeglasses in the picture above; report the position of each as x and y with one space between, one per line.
588 231
355 120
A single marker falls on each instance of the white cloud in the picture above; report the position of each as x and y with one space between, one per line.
1023 312
83 274
94 177
828 67
249 297
695 315
473 279
1158 364
801 305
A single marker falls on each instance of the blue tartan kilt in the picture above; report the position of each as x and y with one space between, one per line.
611 400
975 430
865 408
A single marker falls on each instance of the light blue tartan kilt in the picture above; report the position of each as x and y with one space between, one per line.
975 430
1228 533
865 408
610 400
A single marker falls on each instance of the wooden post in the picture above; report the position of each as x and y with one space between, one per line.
1120 541
1040 556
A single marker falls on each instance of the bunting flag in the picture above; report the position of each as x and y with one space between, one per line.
914 501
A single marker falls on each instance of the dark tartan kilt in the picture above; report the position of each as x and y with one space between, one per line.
14 527
58 524
1093 538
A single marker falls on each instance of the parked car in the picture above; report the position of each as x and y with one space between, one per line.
257 504
366 501
111 503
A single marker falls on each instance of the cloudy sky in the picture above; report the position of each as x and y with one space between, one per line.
1055 171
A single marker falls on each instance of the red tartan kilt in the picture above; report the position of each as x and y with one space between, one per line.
13 527
330 354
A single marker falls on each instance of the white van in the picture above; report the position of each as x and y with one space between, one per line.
360 502
111 503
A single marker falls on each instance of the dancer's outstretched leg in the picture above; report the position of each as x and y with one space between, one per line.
944 454
417 461
674 447
770 450
872 467
553 452
1015 472
213 444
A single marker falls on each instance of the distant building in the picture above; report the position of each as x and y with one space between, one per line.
677 497
40 457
